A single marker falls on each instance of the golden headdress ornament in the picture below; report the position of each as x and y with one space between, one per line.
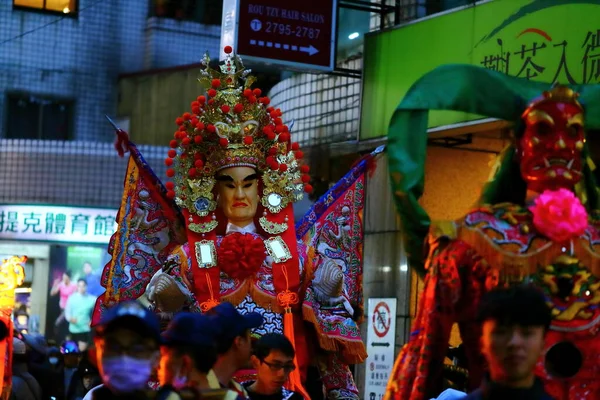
557 94
233 125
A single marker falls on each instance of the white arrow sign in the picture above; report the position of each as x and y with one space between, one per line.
311 50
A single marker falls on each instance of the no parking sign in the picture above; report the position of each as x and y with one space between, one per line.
381 336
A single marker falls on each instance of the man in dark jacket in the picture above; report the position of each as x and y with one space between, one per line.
514 325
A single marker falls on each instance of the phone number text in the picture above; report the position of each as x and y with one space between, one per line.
290 30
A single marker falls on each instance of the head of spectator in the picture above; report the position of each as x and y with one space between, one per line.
71 354
127 347
188 351
87 268
514 324
81 286
90 377
66 278
234 343
273 360
54 356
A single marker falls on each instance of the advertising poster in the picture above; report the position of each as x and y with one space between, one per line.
74 270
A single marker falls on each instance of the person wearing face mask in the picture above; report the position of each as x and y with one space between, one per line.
188 352
127 350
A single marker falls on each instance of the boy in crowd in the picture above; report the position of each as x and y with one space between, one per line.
273 360
188 352
234 345
514 324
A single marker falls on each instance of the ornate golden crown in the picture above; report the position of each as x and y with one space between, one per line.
232 125
558 94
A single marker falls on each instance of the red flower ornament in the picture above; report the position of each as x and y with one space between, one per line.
559 215
241 255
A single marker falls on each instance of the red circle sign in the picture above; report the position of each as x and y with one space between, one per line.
382 319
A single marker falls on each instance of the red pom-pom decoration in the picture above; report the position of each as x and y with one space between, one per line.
170 185
192 173
186 141
173 143
278 121
187 116
248 140
197 156
211 128
225 108
295 146
283 168
215 83
257 92
241 256
238 108
273 151
274 166
200 126
201 99
196 110
170 172
211 102
264 100
212 93
223 142
299 155
270 135
227 49
193 121
172 153
195 103
247 92
305 178
170 194
270 109
179 121
304 169
252 99
198 164
284 137
198 139
270 160
308 188
168 162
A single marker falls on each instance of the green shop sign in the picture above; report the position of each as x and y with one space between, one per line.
544 40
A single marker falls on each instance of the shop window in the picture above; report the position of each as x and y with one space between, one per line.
62 6
35 117
208 12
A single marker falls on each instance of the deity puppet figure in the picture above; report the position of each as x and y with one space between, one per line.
235 175
535 223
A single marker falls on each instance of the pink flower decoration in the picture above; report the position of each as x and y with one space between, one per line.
559 215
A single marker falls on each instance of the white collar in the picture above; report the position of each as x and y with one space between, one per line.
231 228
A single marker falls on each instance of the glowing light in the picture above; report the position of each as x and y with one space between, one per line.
403 267
386 269
353 36
66 10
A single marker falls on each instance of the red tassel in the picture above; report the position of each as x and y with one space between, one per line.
295 383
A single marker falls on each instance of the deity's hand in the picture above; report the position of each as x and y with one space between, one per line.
165 293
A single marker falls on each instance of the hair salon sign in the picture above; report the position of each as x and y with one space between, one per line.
50 223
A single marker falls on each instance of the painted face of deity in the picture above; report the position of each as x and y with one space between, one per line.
550 148
238 194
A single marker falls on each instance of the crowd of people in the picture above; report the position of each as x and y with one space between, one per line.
196 357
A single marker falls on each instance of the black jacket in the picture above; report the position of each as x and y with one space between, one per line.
493 391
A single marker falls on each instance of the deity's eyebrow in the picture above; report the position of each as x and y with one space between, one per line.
224 178
251 177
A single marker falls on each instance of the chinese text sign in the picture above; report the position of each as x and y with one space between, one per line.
57 224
